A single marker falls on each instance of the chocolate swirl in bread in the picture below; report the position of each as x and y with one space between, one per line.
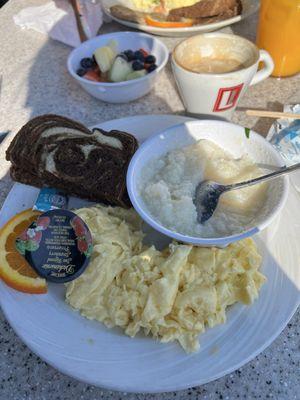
57 152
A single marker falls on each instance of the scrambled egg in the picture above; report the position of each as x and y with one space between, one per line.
149 5
172 294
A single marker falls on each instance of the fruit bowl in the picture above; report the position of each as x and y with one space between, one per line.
125 91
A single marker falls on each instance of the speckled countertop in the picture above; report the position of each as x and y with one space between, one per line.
35 81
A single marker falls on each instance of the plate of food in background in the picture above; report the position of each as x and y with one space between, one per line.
178 17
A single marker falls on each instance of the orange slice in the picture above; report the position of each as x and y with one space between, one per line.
14 269
167 24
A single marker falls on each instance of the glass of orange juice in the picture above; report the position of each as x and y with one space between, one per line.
279 33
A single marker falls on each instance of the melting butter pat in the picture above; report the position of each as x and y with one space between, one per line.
172 294
221 167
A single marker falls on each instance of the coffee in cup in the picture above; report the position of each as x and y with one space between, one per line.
214 70
214 65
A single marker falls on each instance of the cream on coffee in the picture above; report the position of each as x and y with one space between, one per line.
214 54
214 65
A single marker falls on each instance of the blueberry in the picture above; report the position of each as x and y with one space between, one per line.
87 63
150 59
137 65
138 55
81 71
129 54
152 68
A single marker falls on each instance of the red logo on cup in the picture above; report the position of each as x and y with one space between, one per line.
227 98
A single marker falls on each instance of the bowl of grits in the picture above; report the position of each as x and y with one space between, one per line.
164 172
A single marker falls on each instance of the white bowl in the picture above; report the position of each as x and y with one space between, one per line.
232 138
120 92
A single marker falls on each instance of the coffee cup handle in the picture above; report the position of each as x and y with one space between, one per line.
267 69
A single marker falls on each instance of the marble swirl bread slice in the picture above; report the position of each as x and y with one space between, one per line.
71 163
58 152
23 144
22 150
28 178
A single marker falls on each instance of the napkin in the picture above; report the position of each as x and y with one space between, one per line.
57 19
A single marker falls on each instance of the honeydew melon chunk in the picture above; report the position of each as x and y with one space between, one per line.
136 75
119 70
104 57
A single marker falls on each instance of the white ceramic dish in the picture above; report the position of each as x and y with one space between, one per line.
120 92
232 138
249 8
90 352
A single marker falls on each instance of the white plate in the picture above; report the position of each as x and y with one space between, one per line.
249 7
92 353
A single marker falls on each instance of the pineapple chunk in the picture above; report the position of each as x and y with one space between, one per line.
113 44
104 57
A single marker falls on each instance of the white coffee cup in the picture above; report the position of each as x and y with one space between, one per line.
217 94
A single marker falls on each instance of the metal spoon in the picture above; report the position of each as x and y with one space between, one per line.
208 192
